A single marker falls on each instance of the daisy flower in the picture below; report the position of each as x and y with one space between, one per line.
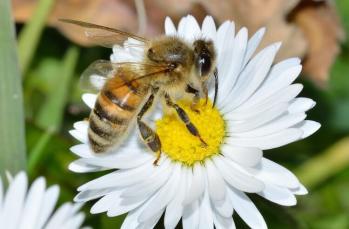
33 209
202 187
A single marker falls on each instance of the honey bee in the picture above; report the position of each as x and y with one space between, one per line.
170 69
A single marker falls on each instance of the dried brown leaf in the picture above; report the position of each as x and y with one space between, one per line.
323 32
307 28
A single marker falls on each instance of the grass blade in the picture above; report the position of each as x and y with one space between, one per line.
29 37
12 134
325 164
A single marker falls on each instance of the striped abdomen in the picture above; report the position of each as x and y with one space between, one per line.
115 109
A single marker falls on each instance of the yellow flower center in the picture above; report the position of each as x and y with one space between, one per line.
180 145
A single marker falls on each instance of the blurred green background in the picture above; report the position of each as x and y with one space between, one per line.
52 103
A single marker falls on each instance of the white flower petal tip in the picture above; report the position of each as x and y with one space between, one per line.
309 128
89 99
301 190
258 107
32 207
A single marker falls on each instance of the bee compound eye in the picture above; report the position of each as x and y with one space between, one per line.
204 63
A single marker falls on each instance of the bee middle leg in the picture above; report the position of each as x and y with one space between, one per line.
185 118
148 135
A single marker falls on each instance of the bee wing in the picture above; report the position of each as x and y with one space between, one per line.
96 75
100 71
105 36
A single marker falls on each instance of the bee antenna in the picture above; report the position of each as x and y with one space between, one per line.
215 87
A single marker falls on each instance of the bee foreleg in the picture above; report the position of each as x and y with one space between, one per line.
196 98
148 135
185 118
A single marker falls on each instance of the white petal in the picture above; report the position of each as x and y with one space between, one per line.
223 222
276 174
269 141
269 88
122 161
206 216
225 34
252 45
32 206
150 185
151 223
282 96
117 205
83 150
182 27
236 176
49 202
231 66
14 200
209 28
163 196
216 184
191 217
278 195
74 222
79 136
301 104
308 127
233 54
170 29
62 213
245 156
79 166
247 210
1 195
251 77
301 190
87 195
81 126
237 126
225 207
174 209
120 178
192 29
89 99
131 218
197 186
277 69
280 123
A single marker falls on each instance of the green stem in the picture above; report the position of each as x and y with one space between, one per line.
12 133
325 165
29 37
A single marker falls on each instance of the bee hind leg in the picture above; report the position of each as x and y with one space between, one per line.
148 135
151 139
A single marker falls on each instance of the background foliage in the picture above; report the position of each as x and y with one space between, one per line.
52 99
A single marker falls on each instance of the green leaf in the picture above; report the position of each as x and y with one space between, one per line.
30 35
12 135
51 114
